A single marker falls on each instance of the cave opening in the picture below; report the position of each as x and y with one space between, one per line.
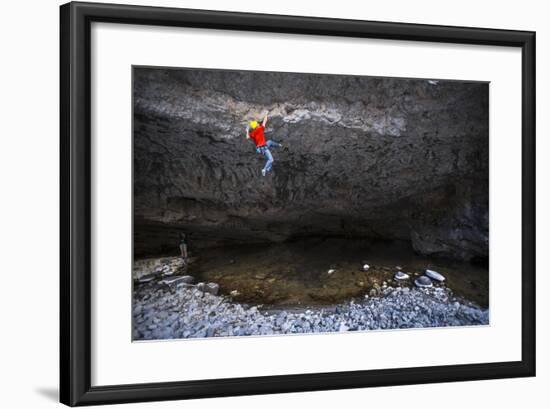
383 172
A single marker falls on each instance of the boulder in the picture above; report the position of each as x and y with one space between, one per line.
423 282
401 276
434 275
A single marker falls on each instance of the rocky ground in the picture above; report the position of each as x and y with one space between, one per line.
168 306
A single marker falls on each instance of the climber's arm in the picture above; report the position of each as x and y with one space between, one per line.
264 121
247 132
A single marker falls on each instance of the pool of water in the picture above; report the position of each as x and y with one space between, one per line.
296 273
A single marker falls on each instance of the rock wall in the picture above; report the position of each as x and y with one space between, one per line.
366 157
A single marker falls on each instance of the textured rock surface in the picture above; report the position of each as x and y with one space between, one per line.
370 157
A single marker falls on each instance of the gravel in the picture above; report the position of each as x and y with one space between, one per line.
171 312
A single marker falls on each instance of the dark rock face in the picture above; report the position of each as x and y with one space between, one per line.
365 157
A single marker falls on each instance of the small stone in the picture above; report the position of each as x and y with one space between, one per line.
234 293
401 276
423 282
147 278
343 327
331 271
212 288
177 280
434 275
399 267
366 267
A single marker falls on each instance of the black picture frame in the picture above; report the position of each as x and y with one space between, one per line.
75 203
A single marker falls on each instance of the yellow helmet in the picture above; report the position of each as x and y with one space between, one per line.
253 124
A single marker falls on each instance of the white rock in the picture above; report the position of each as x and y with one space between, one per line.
331 271
343 327
434 275
365 267
146 278
234 293
401 276
177 280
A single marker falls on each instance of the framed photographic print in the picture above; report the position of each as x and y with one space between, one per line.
261 203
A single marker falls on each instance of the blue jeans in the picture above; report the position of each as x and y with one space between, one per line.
264 150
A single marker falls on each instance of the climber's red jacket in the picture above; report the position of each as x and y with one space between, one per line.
257 135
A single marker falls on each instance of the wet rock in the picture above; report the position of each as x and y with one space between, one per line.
434 275
423 282
401 276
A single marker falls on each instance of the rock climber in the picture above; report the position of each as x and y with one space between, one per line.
255 131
